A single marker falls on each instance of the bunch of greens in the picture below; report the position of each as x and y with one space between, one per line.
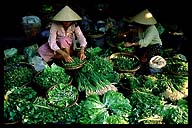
114 108
90 52
121 48
102 74
129 81
180 83
167 88
177 66
92 82
17 58
16 102
51 76
104 67
17 75
62 95
147 108
76 62
41 112
125 63
176 113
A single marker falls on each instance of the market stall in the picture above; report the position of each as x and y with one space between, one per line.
111 86
104 94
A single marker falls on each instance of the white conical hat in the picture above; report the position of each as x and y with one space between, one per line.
66 14
144 17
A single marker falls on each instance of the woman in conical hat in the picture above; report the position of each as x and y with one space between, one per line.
62 35
149 42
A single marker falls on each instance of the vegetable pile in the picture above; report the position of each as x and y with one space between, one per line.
177 66
17 75
15 59
41 112
147 107
121 48
62 95
77 63
51 76
125 62
16 101
105 111
160 98
94 81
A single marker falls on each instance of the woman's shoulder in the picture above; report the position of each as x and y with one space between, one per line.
152 28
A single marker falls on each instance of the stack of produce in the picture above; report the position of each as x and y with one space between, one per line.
18 75
51 76
94 81
62 95
112 108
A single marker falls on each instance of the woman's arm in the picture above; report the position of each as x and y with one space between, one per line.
64 55
128 44
53 36
82 40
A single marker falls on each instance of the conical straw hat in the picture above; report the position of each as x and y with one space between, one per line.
144 17
66 14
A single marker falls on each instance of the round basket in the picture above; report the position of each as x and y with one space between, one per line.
93 36
179 73
71 104
11 123
127 55
21 64
69 67
38 73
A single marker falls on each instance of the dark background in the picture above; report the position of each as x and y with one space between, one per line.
172 12
165 12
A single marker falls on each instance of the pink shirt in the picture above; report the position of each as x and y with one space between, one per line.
57 33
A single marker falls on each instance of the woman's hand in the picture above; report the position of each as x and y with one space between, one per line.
127 44
64 55
82 55
67 58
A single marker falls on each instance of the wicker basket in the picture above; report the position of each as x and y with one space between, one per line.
73 67
38 73
93 36
74 102
21 64
120 54
179 73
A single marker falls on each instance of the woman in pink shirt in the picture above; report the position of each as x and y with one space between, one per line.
62 37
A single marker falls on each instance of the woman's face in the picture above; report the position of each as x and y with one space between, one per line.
67 23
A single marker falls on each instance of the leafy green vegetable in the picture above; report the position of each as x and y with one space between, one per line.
176 113
120 47
76 62
17 75
125 63
19 100
62 95
145 105
105 111
51 76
